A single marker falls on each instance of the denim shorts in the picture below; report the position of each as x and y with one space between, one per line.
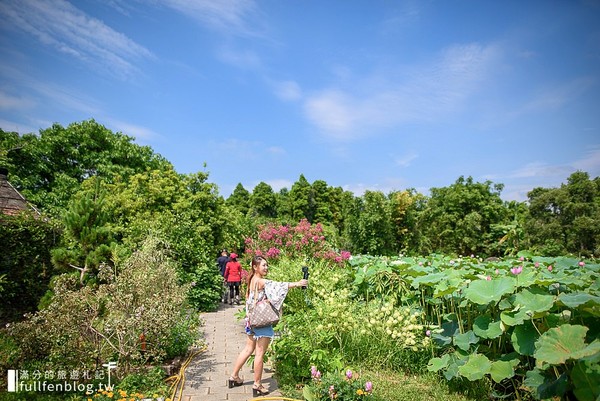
259 332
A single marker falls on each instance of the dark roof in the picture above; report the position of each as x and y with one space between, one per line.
11 201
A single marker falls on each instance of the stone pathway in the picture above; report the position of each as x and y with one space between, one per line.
206 376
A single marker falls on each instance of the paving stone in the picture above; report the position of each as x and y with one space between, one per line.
206 376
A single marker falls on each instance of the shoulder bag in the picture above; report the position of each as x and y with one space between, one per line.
262 313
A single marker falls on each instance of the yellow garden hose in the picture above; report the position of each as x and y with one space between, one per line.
179 379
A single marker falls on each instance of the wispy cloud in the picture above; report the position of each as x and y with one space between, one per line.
406 159
553 98
287 90
427 93
137 131
68 30
8 101
239 58
230 17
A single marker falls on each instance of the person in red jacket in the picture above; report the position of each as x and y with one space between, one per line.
233 276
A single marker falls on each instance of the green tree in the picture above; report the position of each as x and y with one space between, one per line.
458 218
25 262
300 200
321 202
566 219
87 236
262 201
48 168
371 229
239 199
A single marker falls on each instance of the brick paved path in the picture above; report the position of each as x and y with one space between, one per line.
206 376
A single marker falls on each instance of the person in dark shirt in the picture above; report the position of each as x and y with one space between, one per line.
222 264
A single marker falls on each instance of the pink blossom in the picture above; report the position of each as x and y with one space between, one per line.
537 264
368 387
497 271
516 270
521 258
549 268
489 278
428 333
349 374
582 263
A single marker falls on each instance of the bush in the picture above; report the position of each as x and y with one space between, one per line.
85 327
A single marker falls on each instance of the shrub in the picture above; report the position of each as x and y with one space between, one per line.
85 327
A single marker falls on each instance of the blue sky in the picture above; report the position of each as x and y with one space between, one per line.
378 95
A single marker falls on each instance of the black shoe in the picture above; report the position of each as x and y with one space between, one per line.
259 391
231 382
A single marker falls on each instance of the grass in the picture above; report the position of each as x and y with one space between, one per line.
397 386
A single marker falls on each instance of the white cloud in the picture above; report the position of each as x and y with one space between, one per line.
225 16
276 150
590 162
287 90
137 131
553 98
13 126
428 93
406 159
243 59
63 27
8 101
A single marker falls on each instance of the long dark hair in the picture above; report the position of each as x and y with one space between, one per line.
255 263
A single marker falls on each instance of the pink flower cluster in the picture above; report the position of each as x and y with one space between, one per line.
302 240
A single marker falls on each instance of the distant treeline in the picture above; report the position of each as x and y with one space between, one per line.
101 196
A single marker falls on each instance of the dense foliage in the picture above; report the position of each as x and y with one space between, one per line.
125 248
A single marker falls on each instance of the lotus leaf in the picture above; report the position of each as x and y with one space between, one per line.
429 279
534 300
559 344
586 379
574 299
476 367
485 328
523 338
482 292
501 370
514 318
436 364
464 340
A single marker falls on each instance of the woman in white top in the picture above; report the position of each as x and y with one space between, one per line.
258 339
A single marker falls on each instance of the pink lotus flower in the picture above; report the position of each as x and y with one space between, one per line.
549 268
489 278
428 333
521 258
537 264
582 263
516 270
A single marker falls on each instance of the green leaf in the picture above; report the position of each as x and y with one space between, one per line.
482 292
557 345
436 364
501 370
533 379
485 328
586 380
534 300
523 338
464 341
476 367
514 318
574 299
308 394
